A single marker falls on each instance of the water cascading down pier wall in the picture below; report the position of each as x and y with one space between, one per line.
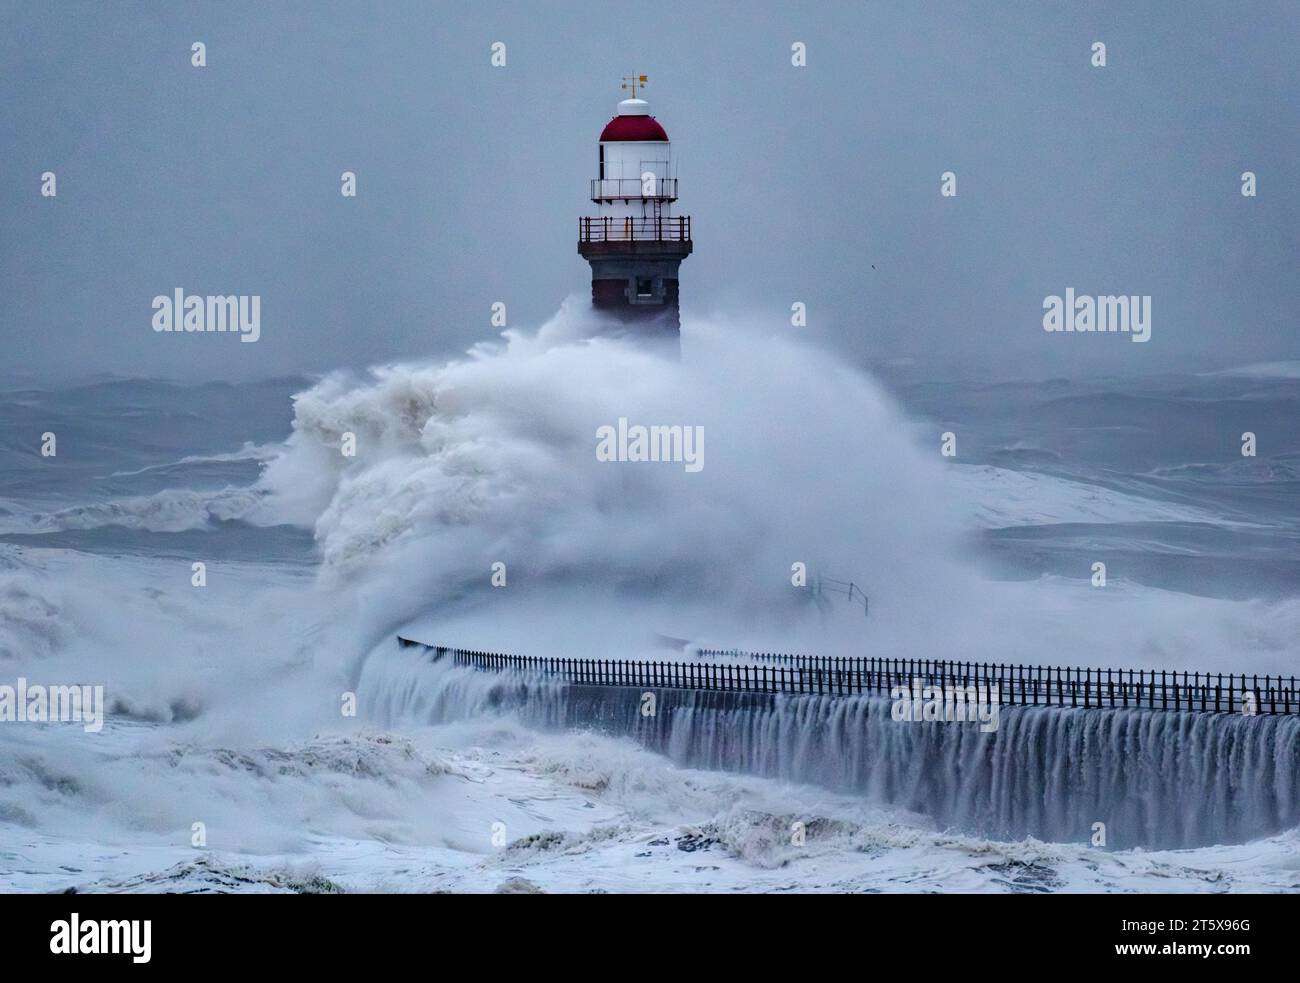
1143 752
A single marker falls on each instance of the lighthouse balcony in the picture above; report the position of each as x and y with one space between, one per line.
617 229
628 189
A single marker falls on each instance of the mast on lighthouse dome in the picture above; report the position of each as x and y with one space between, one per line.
634 242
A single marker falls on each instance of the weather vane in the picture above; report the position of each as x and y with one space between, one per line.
632 81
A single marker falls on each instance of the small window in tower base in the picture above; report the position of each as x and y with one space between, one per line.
645 287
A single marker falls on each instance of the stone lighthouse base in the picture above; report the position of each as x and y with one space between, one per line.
634 285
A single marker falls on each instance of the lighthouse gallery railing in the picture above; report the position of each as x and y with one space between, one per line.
608 228
610 188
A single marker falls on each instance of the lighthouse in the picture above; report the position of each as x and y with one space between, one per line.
635 243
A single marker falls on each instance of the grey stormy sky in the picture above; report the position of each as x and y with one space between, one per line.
225 179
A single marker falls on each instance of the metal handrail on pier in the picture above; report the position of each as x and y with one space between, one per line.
1009 685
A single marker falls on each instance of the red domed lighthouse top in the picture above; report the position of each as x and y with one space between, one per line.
633 122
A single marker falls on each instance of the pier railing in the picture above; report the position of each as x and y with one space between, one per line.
846 587
1006 684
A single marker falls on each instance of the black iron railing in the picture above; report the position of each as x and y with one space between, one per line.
608 228
611 189
848 588
1006 684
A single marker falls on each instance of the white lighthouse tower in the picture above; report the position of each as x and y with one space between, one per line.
635 243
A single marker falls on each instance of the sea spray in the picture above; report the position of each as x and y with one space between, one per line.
492 459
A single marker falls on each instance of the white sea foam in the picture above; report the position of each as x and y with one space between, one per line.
1265 370
1000 498
171 510
249 452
